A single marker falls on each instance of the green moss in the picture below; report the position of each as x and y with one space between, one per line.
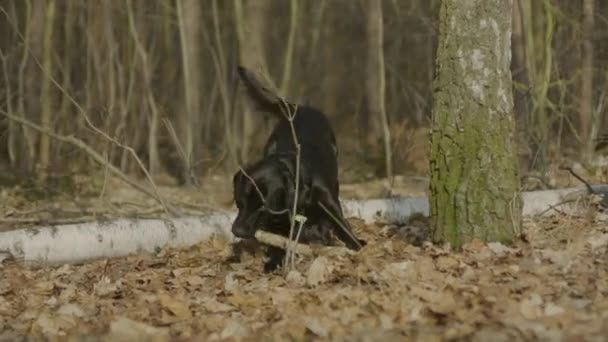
473 163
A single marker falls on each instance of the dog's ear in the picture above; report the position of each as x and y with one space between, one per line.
330 207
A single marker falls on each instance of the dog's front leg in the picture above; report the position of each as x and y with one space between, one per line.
275 258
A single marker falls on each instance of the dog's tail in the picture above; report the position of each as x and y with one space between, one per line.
265 99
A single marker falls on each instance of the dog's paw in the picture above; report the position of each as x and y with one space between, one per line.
271 266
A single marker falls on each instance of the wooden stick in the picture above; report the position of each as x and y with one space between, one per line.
299 248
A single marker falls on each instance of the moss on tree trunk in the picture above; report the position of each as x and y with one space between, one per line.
474 183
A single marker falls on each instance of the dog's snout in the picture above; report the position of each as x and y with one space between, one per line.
241 231
242 227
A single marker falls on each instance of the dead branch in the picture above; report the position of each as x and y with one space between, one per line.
587 185
79 143
92 153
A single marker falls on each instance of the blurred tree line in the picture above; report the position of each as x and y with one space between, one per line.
159 76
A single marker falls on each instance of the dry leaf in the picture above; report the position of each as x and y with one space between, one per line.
230 283
316 327
45 288
105 287
446 263
69 309
177 307
213 306
499 249
597 242
551 309
444 303
530 307
281 297
318 271
245 300
124 329
234 329
48 325
294 277
194 280
561 258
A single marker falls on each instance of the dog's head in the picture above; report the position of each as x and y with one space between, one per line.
260 192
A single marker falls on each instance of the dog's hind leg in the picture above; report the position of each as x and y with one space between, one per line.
332 211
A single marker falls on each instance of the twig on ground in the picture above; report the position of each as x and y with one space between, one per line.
554 207
587 185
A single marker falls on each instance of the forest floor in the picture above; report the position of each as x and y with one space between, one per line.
551 284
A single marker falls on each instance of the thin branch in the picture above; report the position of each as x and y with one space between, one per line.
90 151
79 143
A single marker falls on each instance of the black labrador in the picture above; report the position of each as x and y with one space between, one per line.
264 192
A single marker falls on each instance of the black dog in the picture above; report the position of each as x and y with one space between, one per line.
264 192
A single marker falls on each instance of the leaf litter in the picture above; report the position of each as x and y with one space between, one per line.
550 285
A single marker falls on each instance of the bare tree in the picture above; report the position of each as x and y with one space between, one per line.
30 76
46 95
376 122
250 17
519 69
474 191
587 126
189 17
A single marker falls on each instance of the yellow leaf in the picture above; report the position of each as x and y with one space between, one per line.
175 306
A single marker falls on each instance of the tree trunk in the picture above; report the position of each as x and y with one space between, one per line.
375 119
190 14
587 125
250 18
30 78
518 65
46 97
474 185
289 49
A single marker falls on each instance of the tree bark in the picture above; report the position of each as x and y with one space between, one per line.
474 191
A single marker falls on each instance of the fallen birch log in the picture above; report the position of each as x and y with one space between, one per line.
75 243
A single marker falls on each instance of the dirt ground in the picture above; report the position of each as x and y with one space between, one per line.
552 284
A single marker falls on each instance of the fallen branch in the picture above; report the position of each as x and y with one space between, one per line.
76 243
